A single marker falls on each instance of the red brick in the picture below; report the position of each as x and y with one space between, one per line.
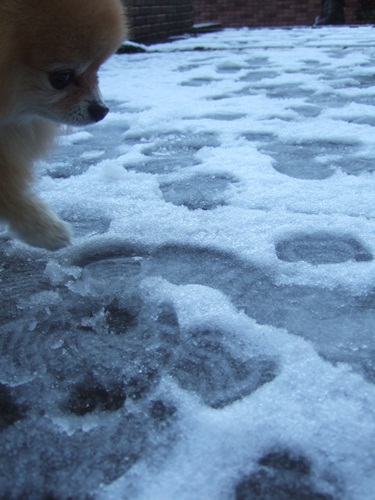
278 12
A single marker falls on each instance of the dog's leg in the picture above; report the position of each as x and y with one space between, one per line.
33 221
28 217
36 224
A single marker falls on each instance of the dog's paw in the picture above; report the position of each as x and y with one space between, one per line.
40 227
54 235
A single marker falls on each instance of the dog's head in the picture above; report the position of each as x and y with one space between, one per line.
59 46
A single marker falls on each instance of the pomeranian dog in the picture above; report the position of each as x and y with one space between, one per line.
50 53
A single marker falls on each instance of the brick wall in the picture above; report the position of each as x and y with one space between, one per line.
152 20
255 13
366 10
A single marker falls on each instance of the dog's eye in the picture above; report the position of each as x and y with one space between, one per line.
61 79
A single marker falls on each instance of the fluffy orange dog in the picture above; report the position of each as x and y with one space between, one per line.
50 53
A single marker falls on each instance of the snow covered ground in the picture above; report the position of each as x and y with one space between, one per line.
210 332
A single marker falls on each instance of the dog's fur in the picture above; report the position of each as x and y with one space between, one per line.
50 52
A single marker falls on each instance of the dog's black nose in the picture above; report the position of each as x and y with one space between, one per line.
97 111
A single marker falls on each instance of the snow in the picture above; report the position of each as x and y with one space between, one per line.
210 332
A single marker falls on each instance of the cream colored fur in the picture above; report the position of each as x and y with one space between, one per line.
50 52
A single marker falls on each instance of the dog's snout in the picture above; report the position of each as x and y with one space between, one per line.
97 111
